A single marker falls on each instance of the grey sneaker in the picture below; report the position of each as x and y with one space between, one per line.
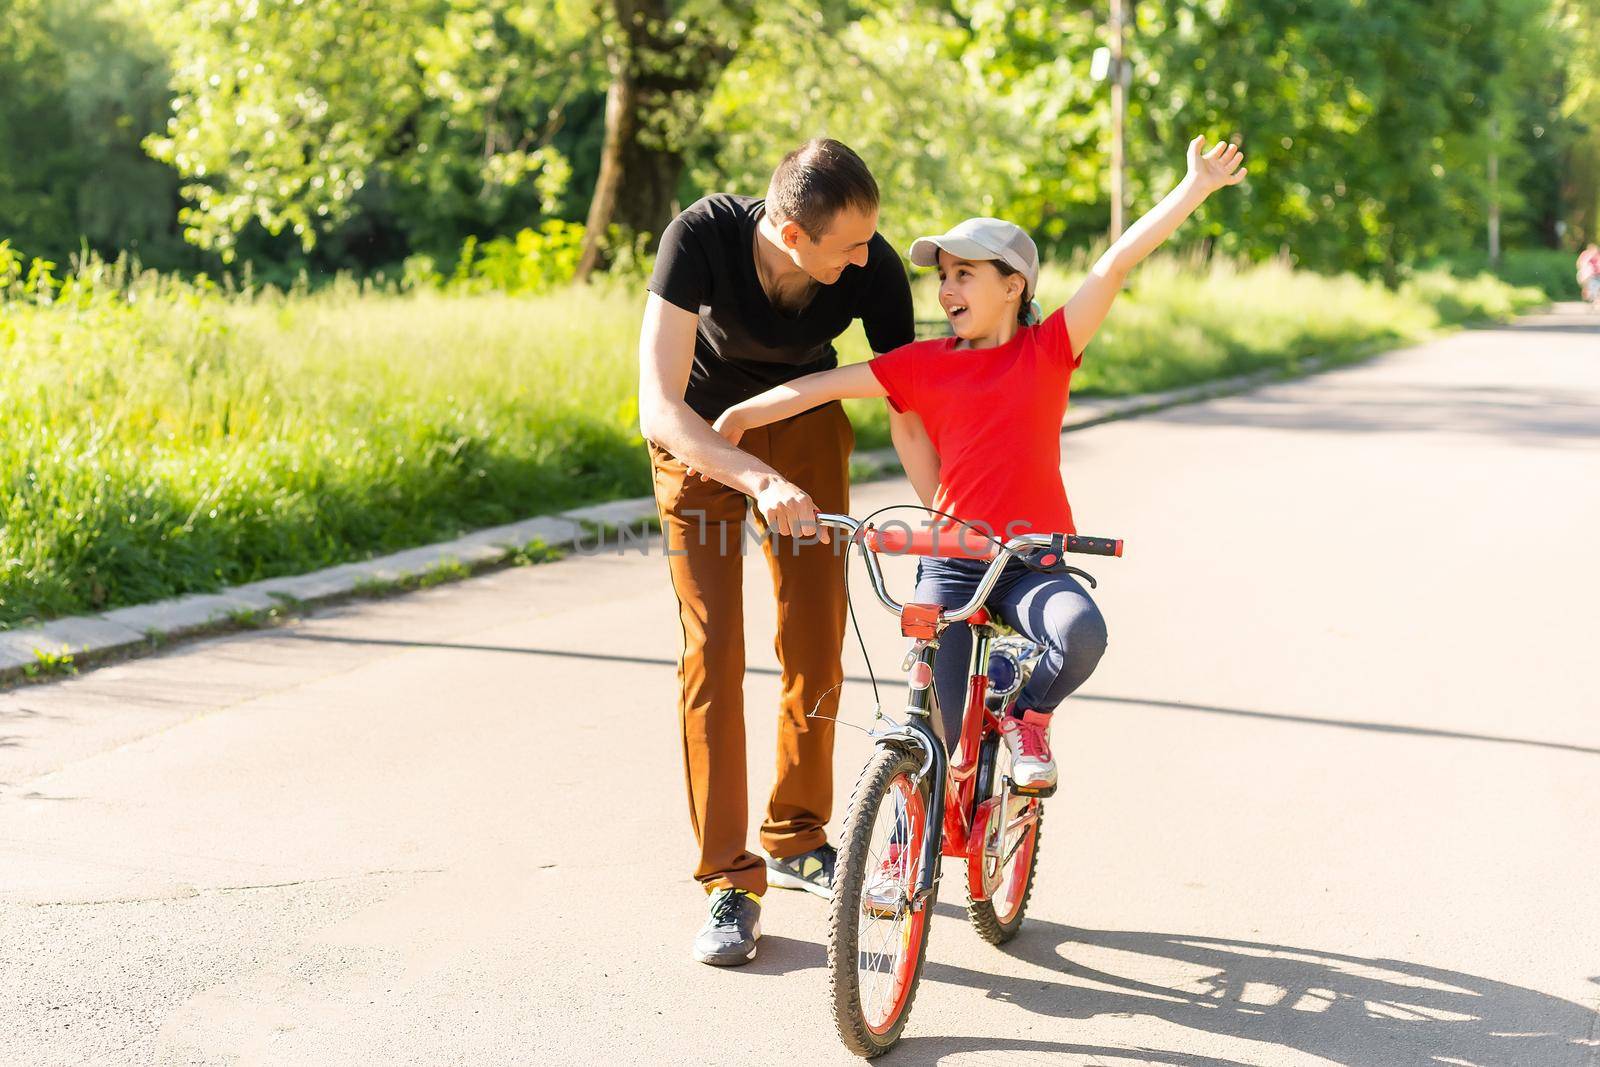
890 888
811 871
729 936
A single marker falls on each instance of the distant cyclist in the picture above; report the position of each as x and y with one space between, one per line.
1589 274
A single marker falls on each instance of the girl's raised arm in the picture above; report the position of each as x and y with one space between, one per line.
1207 173
802 394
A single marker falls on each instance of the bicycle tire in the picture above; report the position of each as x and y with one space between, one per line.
993 925
860 1034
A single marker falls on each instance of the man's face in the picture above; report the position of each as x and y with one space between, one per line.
842 244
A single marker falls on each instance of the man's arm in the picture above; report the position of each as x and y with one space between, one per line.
666 352
1088 307
917 455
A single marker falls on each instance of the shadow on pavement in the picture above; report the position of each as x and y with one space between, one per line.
889 681
785 955
1346 1009
1343 724
934 1049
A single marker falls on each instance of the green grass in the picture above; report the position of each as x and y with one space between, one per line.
165 438
47 664
449 570
187 441
1551 270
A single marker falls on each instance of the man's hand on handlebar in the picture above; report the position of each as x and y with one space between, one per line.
788 510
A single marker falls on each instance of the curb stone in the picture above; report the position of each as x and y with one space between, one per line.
88 637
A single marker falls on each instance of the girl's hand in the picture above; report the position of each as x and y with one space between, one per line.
728 426
1216 168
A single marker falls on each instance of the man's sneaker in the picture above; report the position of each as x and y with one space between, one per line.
811 871
1028 739
888 891
729 936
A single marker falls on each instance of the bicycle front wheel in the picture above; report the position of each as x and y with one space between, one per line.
877 933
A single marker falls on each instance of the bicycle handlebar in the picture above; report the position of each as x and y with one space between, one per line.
968 544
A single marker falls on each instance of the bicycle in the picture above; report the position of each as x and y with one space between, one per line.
887 876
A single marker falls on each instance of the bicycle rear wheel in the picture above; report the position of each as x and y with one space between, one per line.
877 938
1008 853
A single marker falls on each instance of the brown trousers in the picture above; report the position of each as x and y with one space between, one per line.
705 533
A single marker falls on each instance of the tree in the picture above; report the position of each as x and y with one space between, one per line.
970 108
300 116
1577 25
664 59
79 87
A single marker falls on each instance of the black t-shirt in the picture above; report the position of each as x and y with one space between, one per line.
743 345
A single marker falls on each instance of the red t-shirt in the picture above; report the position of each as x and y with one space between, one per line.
994 415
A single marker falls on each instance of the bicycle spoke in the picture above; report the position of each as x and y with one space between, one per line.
883 941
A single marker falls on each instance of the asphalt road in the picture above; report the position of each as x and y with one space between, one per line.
1333 796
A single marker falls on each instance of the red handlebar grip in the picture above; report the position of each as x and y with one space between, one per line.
962 543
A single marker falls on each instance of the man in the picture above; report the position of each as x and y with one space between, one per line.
746 294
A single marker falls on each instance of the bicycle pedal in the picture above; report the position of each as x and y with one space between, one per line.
1035 792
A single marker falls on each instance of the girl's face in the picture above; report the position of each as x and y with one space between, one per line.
976 298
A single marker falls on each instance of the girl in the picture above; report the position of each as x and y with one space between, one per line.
992 399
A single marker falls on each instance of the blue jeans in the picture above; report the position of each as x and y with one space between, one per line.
1051 610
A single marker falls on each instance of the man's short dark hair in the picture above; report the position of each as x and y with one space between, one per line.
817 181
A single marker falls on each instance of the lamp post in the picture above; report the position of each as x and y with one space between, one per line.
1110 64
1494 192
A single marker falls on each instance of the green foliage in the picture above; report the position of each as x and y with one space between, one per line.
973 107
963 109
47 664
439 114
251 618
1355 162
533 261
1552 271
318 134
536 551
1477 299
449 570
80 84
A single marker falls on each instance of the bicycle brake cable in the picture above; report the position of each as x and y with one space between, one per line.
850 606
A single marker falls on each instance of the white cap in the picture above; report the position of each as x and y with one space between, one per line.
983 238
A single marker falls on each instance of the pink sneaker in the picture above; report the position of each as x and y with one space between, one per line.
1028 739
